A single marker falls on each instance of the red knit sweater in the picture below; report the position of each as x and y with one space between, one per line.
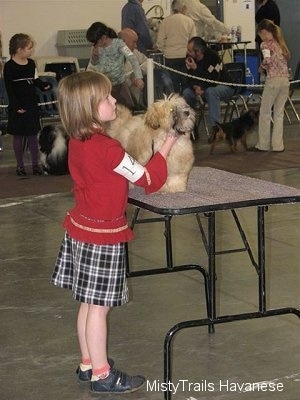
101 194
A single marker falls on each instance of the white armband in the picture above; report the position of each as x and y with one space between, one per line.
127 51
266 53
130 169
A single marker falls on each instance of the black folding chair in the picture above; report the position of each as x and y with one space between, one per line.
237 72
47 102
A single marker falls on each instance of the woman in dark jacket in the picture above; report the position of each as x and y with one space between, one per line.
267 9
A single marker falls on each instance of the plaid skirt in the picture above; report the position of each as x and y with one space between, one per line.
96 274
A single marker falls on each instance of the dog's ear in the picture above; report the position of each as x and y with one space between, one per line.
151 118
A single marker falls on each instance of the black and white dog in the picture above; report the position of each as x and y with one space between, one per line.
53 145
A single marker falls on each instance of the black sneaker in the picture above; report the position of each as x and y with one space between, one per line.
20 171
117 382
37 171
85 376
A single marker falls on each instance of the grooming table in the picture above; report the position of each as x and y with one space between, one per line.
210 190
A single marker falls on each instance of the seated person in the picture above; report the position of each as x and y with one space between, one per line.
161 77
202 62
108 54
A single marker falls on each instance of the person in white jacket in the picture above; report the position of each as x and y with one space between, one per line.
208 27
173 34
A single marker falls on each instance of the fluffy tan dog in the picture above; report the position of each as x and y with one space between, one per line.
142 135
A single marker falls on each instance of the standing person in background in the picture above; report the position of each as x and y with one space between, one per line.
275 61
133 16
108 54
208 27
267 9
91 260
173 34
21 80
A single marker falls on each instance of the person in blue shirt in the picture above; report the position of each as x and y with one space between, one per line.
133 16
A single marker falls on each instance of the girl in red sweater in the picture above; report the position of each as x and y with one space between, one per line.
91 260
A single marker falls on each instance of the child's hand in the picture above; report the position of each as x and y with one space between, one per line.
172 133
21 111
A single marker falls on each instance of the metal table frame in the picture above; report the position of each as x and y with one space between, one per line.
175 204
222 47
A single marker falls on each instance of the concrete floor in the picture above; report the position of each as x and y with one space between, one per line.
39 351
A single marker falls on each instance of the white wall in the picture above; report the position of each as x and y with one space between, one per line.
43 18
241 12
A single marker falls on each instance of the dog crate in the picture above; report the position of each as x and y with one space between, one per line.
73 43
58 65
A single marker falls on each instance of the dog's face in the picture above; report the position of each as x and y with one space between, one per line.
171 113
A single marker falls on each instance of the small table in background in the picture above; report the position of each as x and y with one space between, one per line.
222 47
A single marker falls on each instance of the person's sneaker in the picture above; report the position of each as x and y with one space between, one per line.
20 171
37 171
117 382
256 150
85 373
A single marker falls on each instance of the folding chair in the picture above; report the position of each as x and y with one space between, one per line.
47 102
237 72
293 87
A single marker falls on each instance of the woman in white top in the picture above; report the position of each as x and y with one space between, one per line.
208 27
174 33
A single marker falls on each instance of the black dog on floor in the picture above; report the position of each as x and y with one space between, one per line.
53 145
234 131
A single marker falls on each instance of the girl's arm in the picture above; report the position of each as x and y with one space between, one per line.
154 174
168 144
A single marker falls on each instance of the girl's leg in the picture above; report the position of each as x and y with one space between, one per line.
81 330
34 150
18 150
92 335
279 104
265 114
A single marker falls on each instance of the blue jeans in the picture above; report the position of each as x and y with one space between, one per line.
213 95
163 80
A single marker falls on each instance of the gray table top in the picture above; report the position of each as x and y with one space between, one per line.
211 189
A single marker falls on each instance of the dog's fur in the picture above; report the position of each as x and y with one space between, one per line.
234 131
142 135
53 145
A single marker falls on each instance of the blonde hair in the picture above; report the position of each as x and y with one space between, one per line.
79 96
269 26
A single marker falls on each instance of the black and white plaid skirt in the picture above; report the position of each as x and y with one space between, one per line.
96 274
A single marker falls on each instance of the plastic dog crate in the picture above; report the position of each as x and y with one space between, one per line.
59 65
73 43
